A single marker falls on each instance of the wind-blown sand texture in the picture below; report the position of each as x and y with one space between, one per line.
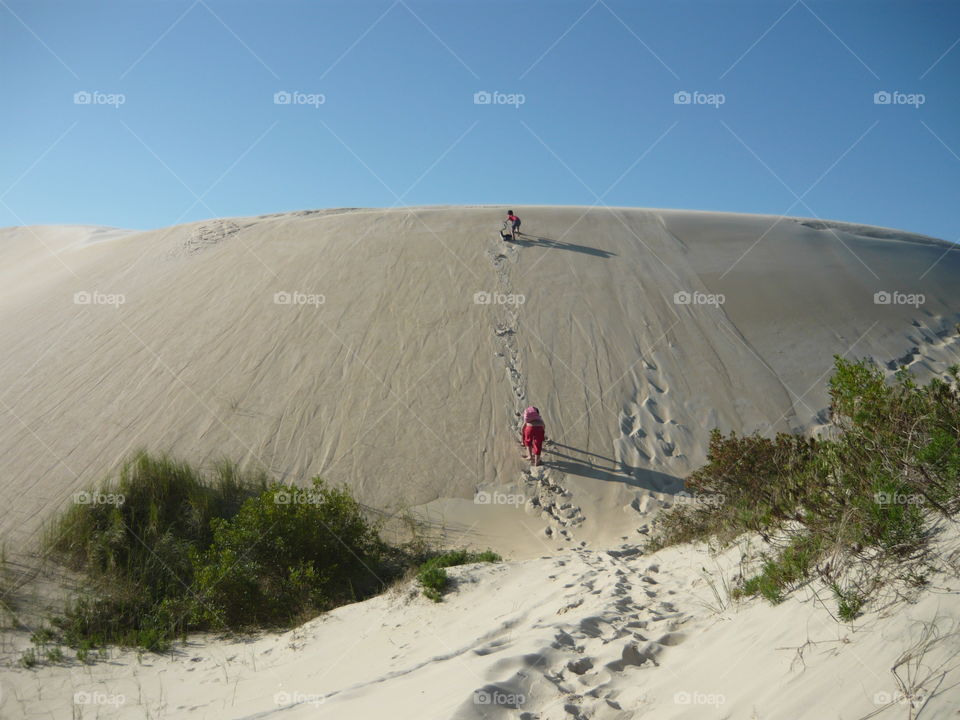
390 350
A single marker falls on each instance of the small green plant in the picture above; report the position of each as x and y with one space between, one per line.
42 636
434 581
54 655
849 602
83 652
433 574
29 659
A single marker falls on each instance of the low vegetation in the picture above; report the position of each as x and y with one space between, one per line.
857 510
168 550
433 573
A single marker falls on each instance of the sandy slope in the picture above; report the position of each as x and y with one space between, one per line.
639 331
401 385
609 635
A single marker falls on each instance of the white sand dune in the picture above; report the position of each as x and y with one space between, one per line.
400 385
388 350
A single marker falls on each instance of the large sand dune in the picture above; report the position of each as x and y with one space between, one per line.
389 350
384 372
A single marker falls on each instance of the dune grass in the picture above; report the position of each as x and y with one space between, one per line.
135 539
169 550
857 510
432 574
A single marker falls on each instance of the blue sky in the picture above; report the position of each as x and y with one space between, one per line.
784 122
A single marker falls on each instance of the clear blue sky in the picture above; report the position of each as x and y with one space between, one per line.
399 125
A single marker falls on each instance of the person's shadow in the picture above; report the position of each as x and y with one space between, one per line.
574 461
525 240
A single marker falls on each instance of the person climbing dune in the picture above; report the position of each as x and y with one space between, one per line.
534 434
514 224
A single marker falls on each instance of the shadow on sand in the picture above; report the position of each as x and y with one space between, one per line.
525 240
574 461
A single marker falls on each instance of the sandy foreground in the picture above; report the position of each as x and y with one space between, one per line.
580 634
391 350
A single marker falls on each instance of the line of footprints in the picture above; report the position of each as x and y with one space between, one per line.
586 670
552 501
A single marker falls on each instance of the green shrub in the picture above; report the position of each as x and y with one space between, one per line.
29 659
176 551
785 570
434 581
433 575
280 559
865 497
849 603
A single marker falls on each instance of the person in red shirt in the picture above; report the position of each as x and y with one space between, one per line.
514 224
534 434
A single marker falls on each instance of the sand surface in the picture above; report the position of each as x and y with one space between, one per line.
391 350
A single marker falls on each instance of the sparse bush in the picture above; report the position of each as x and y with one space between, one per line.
432 574
866 497
29 659
185 552
278 561
849 603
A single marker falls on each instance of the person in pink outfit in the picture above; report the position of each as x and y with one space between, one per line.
534 434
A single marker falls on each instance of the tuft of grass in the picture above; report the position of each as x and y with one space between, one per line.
29 659
849 602
866 498
168 550
134 539
432 574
